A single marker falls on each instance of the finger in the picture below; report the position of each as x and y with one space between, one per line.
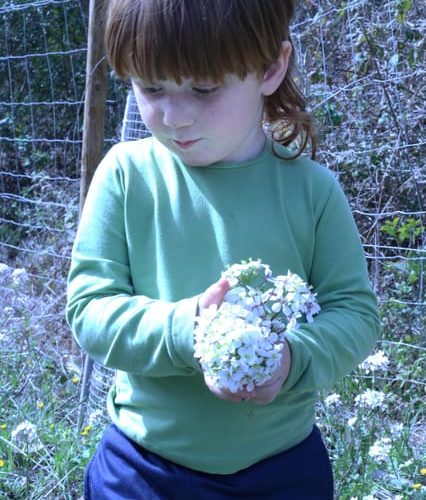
215 294
227 395
263 401
265 394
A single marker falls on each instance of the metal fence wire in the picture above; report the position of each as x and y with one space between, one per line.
364 74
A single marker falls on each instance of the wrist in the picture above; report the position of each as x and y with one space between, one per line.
285 361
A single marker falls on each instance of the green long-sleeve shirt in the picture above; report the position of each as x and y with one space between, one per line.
154 234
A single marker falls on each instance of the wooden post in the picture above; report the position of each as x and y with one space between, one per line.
95 97
93 135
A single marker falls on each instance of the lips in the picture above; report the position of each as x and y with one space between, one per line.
185 144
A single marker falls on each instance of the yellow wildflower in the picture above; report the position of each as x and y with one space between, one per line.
423 471
86 430
75 380
417 486
40 405
3 426
2 463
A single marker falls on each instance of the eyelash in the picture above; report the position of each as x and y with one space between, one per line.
198 90
151 90
205 91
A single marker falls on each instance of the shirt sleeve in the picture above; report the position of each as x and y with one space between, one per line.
115 326
345 331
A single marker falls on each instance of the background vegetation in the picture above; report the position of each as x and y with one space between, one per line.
363 70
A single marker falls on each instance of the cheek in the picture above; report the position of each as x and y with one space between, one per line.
242 111
150 116
220 116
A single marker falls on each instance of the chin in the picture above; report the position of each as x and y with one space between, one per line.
196 162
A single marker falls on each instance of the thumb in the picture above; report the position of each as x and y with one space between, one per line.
214 295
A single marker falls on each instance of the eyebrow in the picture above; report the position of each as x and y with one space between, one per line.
190 81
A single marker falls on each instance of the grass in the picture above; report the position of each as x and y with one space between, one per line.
37 387
364 70
376 442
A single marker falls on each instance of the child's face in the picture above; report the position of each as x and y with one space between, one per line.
205 123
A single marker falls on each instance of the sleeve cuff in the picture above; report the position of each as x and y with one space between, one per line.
299 363
182 333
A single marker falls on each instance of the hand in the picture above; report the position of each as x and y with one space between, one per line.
266 393
214 294
261 394
236 397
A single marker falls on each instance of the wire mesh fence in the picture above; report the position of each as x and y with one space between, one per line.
42 73
133 127
363 71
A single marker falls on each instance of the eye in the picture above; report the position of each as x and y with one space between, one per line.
146 87
151 89
206 90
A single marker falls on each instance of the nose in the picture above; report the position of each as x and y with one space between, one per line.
178 112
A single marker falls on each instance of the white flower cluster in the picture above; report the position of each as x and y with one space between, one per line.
17 277
239 344
372 497
333 399
370 399
377 361
95 417
380 450
25 437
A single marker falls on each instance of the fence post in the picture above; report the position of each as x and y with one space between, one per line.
95 97
93 133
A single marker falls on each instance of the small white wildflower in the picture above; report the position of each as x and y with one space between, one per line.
396 429
25 437
332 399
380 450
370 399
370 497
352 421
4 271
377 361
19 276
94 417
406 464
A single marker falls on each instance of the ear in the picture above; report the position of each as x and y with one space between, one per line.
275 74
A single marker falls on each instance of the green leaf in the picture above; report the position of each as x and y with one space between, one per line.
402 10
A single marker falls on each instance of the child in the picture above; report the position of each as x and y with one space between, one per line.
166 215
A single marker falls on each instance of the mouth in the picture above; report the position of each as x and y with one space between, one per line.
185 144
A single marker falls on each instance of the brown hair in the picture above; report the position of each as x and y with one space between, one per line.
206 39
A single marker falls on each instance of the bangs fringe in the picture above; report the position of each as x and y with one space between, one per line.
199 39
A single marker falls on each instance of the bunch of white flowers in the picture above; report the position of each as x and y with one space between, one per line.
333 399
239 344
25 437
377 361
371 399
380 450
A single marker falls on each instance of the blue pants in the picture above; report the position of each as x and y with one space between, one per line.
120 469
